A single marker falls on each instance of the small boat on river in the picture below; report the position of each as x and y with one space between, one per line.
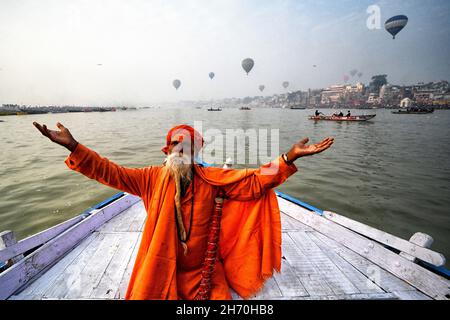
337 118
214 109
414 111
297 108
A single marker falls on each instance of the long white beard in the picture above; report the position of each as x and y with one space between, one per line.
179 166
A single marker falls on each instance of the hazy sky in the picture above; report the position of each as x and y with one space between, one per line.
50 49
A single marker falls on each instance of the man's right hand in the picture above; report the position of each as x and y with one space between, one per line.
62 137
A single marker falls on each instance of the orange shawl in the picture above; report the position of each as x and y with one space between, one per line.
250 237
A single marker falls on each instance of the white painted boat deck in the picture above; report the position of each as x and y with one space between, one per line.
313 266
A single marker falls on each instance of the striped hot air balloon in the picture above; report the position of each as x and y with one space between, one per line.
395 24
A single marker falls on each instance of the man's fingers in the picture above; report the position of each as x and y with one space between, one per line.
324 143
60 126
47 132
304 141
323 146
40 128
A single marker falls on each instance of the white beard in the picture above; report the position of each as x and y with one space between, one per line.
179 166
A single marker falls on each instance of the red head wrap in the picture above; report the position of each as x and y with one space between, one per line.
187 132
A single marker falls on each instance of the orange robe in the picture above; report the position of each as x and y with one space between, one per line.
250 236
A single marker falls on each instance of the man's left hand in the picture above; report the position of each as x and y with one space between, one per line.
301 149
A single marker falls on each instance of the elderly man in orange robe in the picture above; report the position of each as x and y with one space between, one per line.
178 257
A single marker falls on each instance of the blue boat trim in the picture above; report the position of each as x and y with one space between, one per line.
300 203
439 270
103 204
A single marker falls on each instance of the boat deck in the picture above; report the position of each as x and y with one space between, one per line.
314 266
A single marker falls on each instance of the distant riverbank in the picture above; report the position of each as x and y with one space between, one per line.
19 111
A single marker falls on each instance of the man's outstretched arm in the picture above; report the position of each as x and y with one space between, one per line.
275 173
93 166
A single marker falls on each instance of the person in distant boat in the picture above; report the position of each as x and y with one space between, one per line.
340 114
318 113
185 252
348 114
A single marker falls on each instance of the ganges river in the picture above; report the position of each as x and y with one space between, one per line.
392 172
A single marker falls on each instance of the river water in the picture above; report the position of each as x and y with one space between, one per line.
392 172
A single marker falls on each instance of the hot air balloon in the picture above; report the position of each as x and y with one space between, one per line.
211 75
346 77
248 64
176 83
314 65
395 24
285 84
360 74
353 72
261 88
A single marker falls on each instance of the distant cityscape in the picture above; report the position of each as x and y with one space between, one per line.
378 94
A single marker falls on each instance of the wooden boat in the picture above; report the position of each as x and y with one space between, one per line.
214 109
336 118
413 112
297 108
325 256
245 108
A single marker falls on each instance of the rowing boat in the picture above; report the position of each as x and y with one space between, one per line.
336 118
325 256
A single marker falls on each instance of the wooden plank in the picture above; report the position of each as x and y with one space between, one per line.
420 239
312 280
411 295
357 278
89 274
123 286
23 271
385 280
356 296
60 285
114 224
131 214
37 239
269 291
140 216
431 284
400 244
8 240
288 282
290 224
36 289
110 281
333 275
